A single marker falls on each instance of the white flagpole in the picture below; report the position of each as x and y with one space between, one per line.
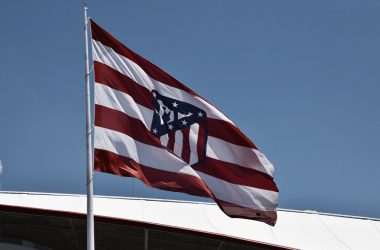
90 211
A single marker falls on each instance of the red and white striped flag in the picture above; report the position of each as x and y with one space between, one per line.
150 126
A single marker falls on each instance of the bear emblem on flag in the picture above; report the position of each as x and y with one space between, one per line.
180 127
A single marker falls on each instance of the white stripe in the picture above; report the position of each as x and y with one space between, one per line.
193 138
117 100
178 143
250 197
242 156
109 57
144 154
164 140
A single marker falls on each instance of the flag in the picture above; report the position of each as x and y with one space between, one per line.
150 126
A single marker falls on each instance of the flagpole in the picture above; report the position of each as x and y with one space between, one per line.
90 211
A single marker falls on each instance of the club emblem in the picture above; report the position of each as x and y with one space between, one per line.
181 128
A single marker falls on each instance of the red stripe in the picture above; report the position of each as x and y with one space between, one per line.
236 211
236 174
228 132
99 34
158 139
216 128
186 145
116 80
120 122
112 163
171 141
201 141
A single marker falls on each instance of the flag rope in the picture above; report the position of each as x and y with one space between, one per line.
92 67
92 176
92 128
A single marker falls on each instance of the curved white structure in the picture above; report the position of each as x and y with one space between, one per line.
294 230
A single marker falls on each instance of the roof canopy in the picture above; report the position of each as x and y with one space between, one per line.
56 220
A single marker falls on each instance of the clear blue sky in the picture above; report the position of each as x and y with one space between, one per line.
300 79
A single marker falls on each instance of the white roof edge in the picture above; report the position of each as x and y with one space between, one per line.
191 202
328 214
109 197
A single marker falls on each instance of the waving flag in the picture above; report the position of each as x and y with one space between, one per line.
150 126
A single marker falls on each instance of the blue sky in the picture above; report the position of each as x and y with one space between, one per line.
300 79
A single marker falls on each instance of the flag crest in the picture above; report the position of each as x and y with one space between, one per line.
179 120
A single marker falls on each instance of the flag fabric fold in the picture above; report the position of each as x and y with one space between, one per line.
150 126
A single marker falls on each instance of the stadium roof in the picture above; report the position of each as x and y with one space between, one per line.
58 221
